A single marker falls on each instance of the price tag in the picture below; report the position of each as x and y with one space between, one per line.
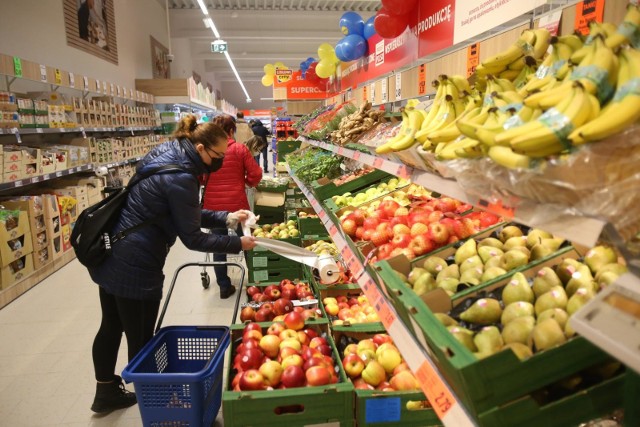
16 132
587 11
333 231
98 87
39 130
497 208
384 313
84 135
58 77
58 174
86 82
365 93
473 58
356 155
385 93
17 66
377 162
438 394
43 73
403 171
72 80
341 151
17 183
113 88
62 130
398 93
373 93
118 89
36 179
130 93
46 177
104 87
422 80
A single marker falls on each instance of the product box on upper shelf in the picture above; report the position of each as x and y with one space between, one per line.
34 206
16 271
15 236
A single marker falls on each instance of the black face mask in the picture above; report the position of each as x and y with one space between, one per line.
215 164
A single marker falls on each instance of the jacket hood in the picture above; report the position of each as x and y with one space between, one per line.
180 152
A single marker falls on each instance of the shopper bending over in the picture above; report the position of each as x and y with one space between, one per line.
131 277
259 129
225 191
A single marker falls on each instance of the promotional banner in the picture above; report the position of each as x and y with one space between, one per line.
299 88
435 27
587 11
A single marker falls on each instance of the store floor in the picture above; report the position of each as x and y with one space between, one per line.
46 373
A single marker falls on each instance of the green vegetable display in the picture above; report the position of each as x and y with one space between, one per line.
314 163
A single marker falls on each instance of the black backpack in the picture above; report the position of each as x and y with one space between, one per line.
91 238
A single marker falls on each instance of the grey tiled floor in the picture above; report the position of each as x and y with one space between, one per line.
46 373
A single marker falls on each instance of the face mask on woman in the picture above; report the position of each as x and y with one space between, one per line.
215 164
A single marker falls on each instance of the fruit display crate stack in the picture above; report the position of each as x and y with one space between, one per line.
310 225
267 266
378 189
349 183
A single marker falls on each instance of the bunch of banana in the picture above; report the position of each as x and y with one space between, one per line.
451 131
461 148
596 30
624 108
411 121
547 135
529 69
628 31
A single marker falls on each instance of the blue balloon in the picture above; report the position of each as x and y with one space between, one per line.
369 29
310 60
340 52
351 23
354 47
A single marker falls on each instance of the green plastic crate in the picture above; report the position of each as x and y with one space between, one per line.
269 260
311 227
325 190
303 406
269 215
285 147
269 275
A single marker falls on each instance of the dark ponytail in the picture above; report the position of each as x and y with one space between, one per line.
208 134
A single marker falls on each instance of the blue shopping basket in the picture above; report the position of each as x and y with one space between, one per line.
178 374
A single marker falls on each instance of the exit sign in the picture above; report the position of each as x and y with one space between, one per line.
219 46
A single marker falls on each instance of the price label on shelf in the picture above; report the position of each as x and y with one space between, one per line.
36 179
387 317
84 134
58 77
17 66
398 93
404 171
373 93
43 73
356 155
340 151
378 162
58 174
113 88
39 130
72 80
436 391
16 132
85 79
384 92
333 230
422 80
497 208
17 183
104 87
98 86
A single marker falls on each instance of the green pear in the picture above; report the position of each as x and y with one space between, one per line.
569 332
512 260
492 262
490 241
465 337
491 273
605 370
402 277
488 340
471 263
600 256
483 312
472 276
555 298
416 273
467 250
553 244
545 279
518 330
558 314
540 251
517 289
606 279
424 284
521 351
514 242
522 249
566 268
445 319
450 285
515 310
581 279
546 334
570 383
434 265
535 236
450 271
614 267
508 232
578 299
487 252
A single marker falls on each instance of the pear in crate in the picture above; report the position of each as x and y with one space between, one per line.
424 284
488 341
445 319
508 232
518 330
558 314
514 242
521 351
450 271
450 285
555 298
491 273
535 236
553 243
487 252
578 299
414 275
513 259
547 334
434 265
465 337
490 241
566 268
600 256
492 262
517 289
483 312
546 278
467 250
569 331
515 310
472 276
471 263
613 268
522 249
581 279
540 251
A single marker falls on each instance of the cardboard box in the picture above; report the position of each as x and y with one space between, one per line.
13 224
11 176
16 271
273 200
55 247
11 250
41 257
51 214
34 207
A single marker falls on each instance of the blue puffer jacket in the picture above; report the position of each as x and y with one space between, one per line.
134 269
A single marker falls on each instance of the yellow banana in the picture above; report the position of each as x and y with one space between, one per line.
517 65
415 121
598 70
627 30
468 125
505 156
529 69
469 149
571 40
447 116
509 74
525 42
543 37
461 83
549 98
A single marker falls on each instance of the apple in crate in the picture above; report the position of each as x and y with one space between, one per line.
353 365
270 345
374 373
272 372
251 379
247 314
294 321
318 375
251 359
293 376
282 306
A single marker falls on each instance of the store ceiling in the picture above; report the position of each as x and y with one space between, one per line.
259 32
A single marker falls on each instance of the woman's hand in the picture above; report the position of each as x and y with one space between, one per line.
242 215
248 242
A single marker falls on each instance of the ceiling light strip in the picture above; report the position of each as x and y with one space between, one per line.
233 67
203 7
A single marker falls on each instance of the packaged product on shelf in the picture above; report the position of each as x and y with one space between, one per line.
16 271
15 236
355 124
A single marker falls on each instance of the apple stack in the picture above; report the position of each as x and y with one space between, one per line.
348 306
271 302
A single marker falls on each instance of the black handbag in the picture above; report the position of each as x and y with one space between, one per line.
91 236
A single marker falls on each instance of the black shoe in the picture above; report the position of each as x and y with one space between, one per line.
227 292
266 171
112 396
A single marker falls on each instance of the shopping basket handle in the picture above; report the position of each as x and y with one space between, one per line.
201 264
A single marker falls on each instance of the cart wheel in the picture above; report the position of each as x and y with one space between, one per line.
206 280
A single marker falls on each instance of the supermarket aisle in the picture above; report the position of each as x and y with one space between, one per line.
46 374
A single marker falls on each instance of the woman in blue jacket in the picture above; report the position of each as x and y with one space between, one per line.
130 280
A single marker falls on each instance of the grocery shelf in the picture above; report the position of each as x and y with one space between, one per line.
583 230
83 130
434 386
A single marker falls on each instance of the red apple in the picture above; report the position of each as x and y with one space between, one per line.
404 380
317 341
361 384
298 309
251 334
358 216
384 386
421 245
291 343
293 376
287 351
289 293
435 216
282 306
368 235
370 223
389 207
293 360
308 352
311 333
399 220
313 361
359 233
252 290
311 313
252 326
379 339
325 349
236 379
294 321
303 338
251 359
401 229
271 372
270 345
275 328
350 349
438 233
247 314
264 315
251 380
401 240
353 365
349 226
318 375
401 367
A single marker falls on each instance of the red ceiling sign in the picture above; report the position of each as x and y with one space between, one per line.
298 88
435 26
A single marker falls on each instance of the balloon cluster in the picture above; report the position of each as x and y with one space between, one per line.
356 33
393 17
304 65
270 72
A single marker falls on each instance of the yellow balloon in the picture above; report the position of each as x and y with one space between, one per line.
267 80
326 51
325 68
269 70
279 65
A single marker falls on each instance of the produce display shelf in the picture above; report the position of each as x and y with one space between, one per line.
579 229
81 129
446 405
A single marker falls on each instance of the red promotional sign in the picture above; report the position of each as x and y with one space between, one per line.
299 88
435 26
587 11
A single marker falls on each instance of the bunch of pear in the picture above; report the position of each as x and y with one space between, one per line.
477 262
349 199
533 316
323 248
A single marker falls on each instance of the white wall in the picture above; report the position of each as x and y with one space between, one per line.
34 30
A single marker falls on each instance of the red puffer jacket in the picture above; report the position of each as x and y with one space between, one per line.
226 187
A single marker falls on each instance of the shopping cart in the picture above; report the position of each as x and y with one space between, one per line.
178 374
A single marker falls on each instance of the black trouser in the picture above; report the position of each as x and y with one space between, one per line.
136 318
265 158
222 277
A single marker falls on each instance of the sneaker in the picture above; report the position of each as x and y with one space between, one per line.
227 292
112 396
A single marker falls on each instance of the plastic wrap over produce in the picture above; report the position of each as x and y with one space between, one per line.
600 179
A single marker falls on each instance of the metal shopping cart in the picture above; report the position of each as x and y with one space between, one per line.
178 374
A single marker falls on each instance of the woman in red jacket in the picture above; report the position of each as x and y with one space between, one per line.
225 190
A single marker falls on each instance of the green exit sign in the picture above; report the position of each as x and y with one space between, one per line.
219 46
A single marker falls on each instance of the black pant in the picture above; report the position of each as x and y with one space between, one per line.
265 158
136 318
221 270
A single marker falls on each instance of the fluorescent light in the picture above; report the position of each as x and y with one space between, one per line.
214 29
235 72
206 22
203 7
